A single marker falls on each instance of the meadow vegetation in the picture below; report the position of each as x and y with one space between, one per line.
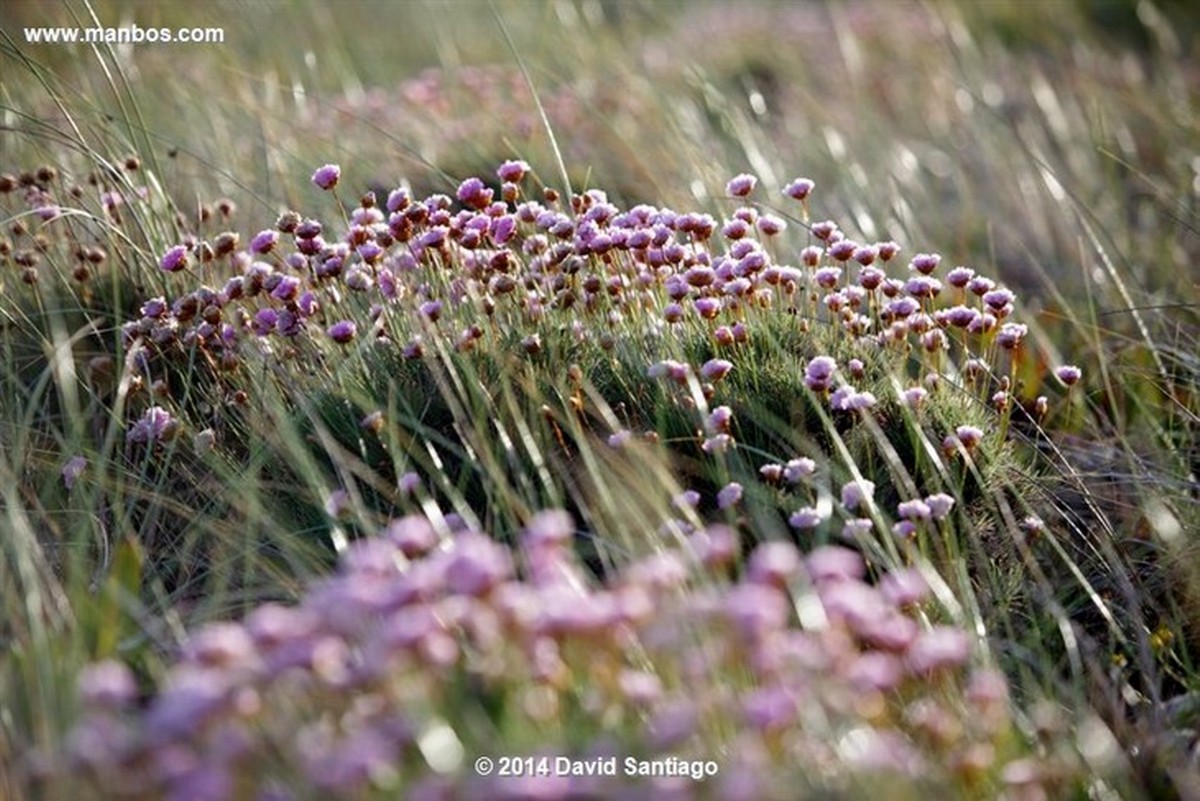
809 389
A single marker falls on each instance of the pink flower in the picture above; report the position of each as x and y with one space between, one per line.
741 185
718 443
719 419
959 277
797 469
326 177
771 473
1069 374
969 436
155 425
729 495
819 373
913 397
888 250
708 308
72 470
939 505
806 517
925 263
913 510
174 259
715 369
264 241
855 492
513 171
342 331
799 189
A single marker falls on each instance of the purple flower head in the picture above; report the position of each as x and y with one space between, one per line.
688 499
549 527
865 255
904 587
913 397
776 563
771 472
925 263
939 648
997 298
715 369
755 608
828 277
869 278
902 307
264 241
843 249
826 231
961 316
398 200
73 469
939 505
342 331
806 517
620 438
264 321
1069 374
708 308
856 528
811 256
287 288
855 492
174 259
741 185
735 230
477 565
848 399
969 436
327 177
431 310
155 307
719 443
819 373
887 250
980 285
474 193
155 425
770 225
107 684
513 171
799 189
307 304
797 469
922 286
1010 335
959 277
729 495
719 419
835 563
914 510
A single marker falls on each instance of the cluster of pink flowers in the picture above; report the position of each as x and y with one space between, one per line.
424 629
491 257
